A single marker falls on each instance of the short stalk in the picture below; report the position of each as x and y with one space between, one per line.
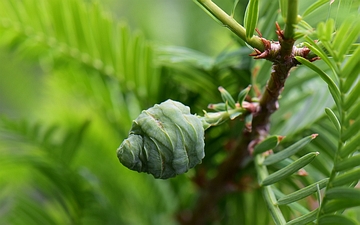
268 194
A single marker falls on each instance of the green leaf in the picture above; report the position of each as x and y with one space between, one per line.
327 141
267 144
270 17
234 114
333 118
336 220
242 95
346 178
348 163
304 219
321 32
346 35
332 86
336 98
344 193
302 193
289 170
320 52
283 8
325 30
353 113
289 151
350 146
296 206
248 121
303 29
352 96
336 205
225 95
217 107
314 7
251 17
351 131
351 70
236 2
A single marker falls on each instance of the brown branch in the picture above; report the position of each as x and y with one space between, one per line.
220 185
282 54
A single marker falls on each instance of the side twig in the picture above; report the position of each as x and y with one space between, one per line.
229 22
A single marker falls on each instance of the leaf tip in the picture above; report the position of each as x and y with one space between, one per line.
313 136
280 138
302 172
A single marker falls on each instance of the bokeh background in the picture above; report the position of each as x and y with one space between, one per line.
73 76
63 117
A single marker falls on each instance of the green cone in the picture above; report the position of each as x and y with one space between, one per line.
165 140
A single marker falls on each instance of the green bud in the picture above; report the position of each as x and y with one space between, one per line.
242 95
165 140
218 107
227 98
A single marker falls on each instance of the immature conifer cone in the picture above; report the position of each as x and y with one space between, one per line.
165 140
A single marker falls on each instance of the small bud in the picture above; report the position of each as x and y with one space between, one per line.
227 97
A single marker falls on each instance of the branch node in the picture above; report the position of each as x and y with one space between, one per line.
262 55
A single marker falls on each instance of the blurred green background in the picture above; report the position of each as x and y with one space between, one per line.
63 118
74 74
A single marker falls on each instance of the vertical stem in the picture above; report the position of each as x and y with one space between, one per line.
275 211
291 20
268 194
217 187
283 62
337 156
